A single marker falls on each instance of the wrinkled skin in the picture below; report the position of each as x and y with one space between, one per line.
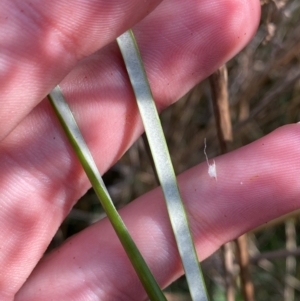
43 43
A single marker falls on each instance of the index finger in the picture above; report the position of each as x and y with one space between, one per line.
40 42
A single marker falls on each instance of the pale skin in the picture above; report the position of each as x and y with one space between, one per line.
181 42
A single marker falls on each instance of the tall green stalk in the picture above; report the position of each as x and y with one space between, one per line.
81 149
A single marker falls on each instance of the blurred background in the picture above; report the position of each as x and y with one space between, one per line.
263 90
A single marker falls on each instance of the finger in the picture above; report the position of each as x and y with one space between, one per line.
41 41
262 185
45 174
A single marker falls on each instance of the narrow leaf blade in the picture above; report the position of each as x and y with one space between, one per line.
163 164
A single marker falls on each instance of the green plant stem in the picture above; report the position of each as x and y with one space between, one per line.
81 149
163 165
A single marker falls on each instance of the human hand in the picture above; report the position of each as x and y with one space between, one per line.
181 42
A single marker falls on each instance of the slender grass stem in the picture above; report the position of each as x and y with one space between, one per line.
76 139
163 164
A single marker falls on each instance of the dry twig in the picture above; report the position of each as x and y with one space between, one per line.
219 83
